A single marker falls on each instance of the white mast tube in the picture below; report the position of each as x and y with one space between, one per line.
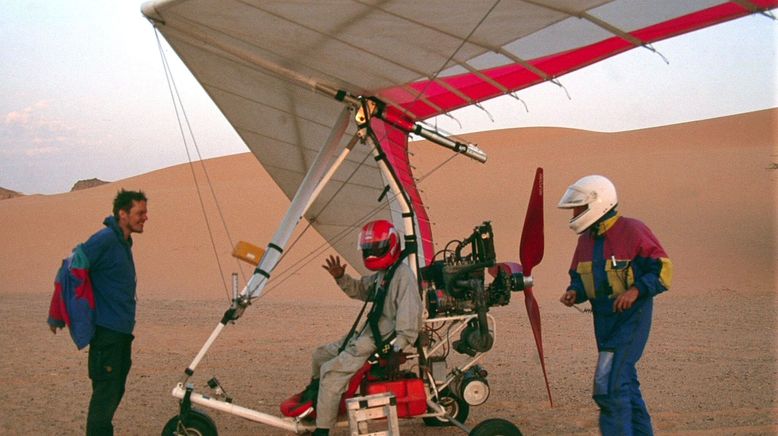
409 227
263 418
322 169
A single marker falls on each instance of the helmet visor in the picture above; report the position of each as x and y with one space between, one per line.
374 249
574 197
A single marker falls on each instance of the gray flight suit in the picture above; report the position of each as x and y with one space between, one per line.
401 314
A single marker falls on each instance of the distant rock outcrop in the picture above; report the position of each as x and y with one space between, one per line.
86 184
7 193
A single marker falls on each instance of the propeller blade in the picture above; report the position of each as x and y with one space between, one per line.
531 253
533 312
531 246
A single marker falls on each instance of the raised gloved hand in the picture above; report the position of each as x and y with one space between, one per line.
334 267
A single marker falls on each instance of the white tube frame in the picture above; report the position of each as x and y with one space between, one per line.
318 175
461 323
320 172
288 424
327 162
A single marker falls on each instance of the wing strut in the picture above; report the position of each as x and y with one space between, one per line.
327 162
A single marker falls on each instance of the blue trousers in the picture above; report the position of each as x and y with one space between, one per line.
616 387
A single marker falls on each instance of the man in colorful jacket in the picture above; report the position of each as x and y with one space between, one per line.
108 258
619 266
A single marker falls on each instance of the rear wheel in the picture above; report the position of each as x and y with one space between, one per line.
197 423
495 427
453 405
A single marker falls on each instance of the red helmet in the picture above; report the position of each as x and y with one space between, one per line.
380 245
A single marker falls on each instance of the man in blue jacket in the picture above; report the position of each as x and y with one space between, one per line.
112 272
619 266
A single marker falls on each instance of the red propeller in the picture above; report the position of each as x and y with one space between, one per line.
531 253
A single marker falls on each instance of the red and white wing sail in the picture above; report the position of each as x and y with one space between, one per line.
262 62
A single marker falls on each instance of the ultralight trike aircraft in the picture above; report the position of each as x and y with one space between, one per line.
326 94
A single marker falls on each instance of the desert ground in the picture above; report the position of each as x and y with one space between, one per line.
706 188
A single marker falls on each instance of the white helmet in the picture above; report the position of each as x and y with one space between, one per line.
595 192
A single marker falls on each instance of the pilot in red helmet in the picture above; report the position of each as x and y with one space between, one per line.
395 316
380 245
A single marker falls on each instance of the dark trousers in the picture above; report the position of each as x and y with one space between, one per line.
110 359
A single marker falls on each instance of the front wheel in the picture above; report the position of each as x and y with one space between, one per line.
453 405
196 424
495 427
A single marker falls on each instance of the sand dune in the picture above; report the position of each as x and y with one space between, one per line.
707 189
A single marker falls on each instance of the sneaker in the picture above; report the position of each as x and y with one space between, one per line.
310 393
302 403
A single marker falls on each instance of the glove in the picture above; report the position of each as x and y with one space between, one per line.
334 267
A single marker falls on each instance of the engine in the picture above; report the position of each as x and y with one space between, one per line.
456 286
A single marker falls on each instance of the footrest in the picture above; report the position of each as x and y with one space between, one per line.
362 410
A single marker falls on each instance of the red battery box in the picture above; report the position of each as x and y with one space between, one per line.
410 394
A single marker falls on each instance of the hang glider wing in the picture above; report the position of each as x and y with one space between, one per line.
277 68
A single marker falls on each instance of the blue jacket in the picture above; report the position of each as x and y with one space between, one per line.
73 300
112 271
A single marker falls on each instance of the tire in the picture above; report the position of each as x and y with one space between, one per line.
197 424
453 405
495 427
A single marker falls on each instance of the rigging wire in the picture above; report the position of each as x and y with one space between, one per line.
285 274
291 270
324 207
434 77
437 167
176 98
307 259
347 229
456 50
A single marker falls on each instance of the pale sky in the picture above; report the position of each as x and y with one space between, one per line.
84 94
